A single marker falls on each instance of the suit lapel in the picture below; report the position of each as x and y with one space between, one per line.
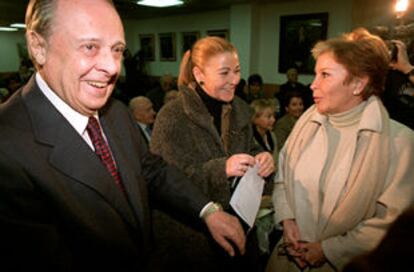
69 152
125 167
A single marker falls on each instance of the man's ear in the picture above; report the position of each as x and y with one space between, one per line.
198 75
37 47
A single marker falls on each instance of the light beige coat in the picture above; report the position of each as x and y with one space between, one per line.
356 211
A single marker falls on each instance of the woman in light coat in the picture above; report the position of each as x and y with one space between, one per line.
347 170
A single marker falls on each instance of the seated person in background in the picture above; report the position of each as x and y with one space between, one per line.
254 88
398 97
144 114
25 70
156 95
263 122
170 96
285 124
241 89
291 84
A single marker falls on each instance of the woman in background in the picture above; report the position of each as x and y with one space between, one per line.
206 132
293 110
346 171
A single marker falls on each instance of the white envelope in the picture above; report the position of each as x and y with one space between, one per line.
247 196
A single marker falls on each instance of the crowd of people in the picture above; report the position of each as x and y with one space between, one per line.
91 184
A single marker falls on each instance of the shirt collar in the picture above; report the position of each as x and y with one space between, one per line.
142 125
77 120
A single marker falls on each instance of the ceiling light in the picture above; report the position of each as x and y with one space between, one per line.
18 25
401 5
2 28
160 3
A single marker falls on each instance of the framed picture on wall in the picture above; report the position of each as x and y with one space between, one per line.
298 34
167 46
223 33
147 45
188 39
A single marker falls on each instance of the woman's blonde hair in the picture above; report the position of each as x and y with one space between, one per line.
260 105
200 53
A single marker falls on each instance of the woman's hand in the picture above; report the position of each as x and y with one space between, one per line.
313 254
294 246
266 164
291 233
238 164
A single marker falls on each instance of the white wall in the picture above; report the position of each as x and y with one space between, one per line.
241 35
201 22
9 57
254 30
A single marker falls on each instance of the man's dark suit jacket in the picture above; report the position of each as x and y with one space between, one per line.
60 210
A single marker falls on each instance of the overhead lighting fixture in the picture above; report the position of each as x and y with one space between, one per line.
18 25
401 5
8 29
160 3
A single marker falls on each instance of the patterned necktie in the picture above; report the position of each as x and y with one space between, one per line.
102 150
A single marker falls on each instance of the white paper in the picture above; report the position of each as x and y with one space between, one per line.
246 198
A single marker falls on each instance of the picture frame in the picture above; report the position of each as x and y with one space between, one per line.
223 33
188 39
167 46
147 45
298 35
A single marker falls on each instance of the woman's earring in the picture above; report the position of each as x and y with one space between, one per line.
356 93
201 83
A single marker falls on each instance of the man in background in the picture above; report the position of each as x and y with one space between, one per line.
143 112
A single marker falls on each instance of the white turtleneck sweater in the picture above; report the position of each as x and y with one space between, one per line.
341 129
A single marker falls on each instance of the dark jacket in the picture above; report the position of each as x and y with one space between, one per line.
60 210
184 135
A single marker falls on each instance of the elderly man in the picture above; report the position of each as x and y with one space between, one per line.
76 182
144 114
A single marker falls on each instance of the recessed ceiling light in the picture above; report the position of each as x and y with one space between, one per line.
2 28
160 3
18 25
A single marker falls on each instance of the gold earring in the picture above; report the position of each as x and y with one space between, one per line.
356 93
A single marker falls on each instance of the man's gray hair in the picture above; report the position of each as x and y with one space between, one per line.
39 16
